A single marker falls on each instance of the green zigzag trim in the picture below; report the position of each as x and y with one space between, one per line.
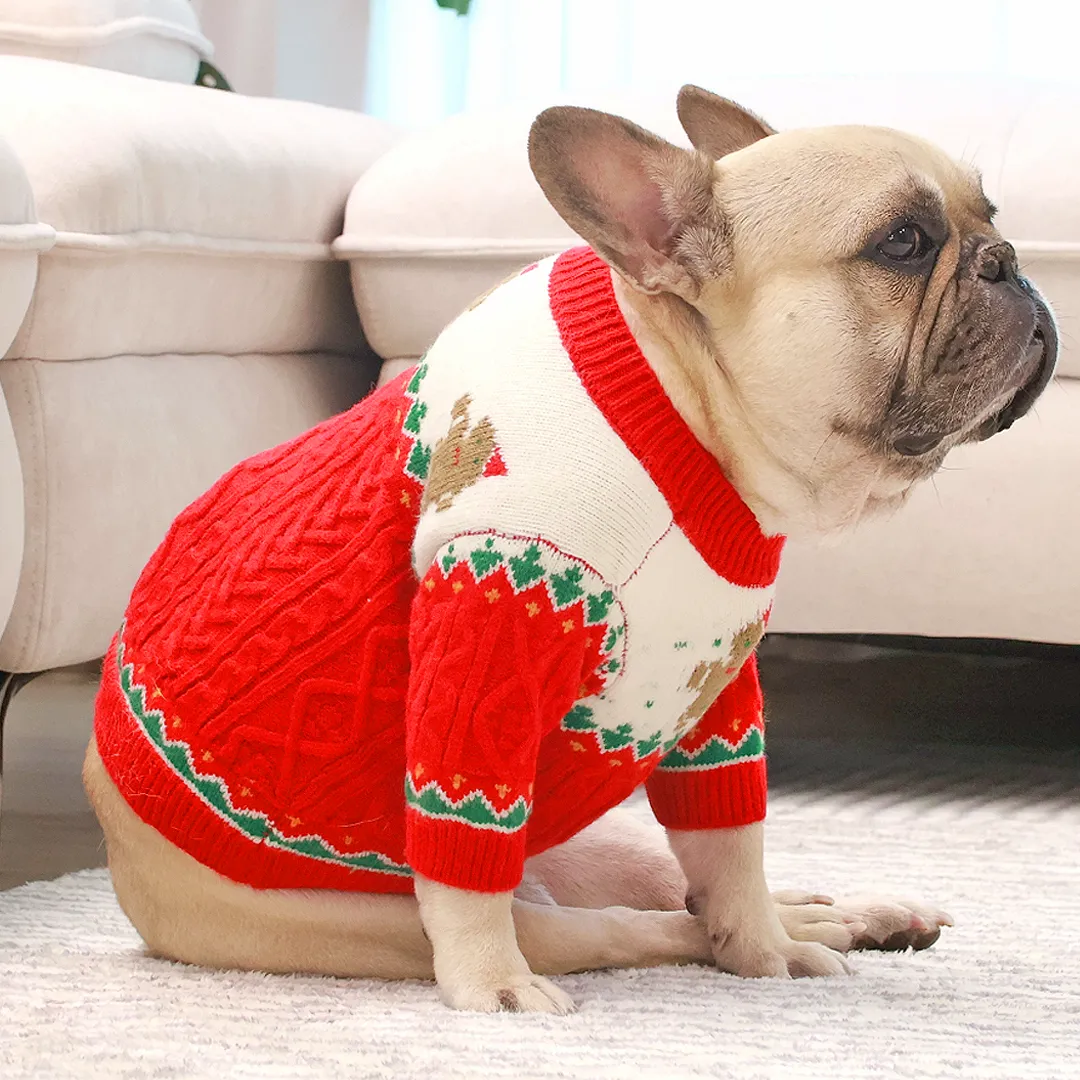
525 569
580 719
715 753
214 792
472 809
419 460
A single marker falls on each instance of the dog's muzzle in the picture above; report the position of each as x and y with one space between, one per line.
1044 341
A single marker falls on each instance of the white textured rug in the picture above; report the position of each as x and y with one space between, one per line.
998 998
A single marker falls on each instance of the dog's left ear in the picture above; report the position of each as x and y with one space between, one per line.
715 125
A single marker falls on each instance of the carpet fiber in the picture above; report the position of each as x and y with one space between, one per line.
998 998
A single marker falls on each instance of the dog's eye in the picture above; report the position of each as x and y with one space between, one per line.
905 243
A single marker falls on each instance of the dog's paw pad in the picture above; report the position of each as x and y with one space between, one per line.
517 994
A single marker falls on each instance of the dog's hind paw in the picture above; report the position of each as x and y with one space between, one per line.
895 925
860 922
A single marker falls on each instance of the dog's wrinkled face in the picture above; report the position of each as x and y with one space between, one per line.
848 283
868 280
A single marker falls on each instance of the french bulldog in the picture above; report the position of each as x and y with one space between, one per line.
829 312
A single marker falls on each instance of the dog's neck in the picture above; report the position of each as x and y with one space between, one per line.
677 347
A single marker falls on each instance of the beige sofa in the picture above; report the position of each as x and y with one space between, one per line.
169 304
174 296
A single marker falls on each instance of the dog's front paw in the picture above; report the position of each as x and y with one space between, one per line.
774 953
514 993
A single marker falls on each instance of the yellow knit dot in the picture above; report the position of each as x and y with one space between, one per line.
492 595
533 610
568 625
457 586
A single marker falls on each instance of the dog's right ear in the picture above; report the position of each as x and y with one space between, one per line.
645 205
715 125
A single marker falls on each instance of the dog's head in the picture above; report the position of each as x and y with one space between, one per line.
861 311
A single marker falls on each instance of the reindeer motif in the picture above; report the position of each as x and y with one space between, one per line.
709 678
459 458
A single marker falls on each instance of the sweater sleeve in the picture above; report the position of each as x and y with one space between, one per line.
714 777
500 646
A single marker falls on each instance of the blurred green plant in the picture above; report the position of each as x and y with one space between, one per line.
460 6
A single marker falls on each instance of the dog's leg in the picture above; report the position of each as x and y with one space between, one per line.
478 962
620 860
186 912
726 888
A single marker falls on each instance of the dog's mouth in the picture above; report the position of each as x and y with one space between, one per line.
1040 359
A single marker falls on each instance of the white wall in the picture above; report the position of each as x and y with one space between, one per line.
313 50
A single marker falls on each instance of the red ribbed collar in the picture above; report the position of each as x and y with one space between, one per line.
625 389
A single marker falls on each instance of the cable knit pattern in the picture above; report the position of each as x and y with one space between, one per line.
450 627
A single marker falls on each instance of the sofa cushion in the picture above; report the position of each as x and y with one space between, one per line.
186 220
156 38
451 211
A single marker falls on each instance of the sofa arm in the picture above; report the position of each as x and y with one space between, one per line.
190 291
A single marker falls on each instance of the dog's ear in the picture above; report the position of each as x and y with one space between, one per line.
645 205
715 125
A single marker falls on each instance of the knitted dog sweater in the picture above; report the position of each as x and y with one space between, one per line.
449 628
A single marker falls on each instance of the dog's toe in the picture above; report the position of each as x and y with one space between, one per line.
535 994
824 923
517 993
797 898
811 959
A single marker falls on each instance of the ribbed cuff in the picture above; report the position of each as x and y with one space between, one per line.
721 798
463 856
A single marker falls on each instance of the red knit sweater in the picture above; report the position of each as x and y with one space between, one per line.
293 705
